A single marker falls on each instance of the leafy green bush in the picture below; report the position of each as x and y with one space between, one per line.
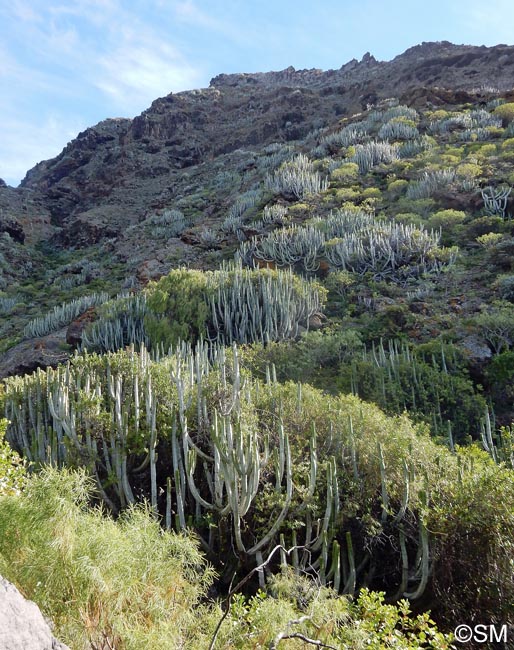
505 112
505 286
231 304
434 388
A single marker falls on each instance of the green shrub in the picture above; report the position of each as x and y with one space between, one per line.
346 173
255 460
125 583
505 286
505 112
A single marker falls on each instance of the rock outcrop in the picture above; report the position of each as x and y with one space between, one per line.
22 626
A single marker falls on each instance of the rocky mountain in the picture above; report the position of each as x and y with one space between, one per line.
113 174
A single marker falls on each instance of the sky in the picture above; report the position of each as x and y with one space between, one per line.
67 65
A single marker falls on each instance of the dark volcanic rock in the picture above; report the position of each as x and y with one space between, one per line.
13 228
22 626
28 356
76 328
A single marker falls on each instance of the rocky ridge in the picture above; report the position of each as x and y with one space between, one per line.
113 173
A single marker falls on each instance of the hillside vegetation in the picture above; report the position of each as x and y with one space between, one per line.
316 406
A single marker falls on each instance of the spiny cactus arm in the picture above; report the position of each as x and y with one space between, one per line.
423 552
349 587
385 495
289 495
405 566
153 458
327 518
406 491
190 465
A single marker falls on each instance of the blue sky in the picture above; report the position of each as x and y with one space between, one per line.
66 65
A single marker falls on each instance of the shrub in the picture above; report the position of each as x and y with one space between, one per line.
228 305
447 218
505 112
126 583
496 325
489 240
505 286
474 519
255 460
346 173
397 187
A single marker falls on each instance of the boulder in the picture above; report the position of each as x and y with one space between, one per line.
27 356
22 626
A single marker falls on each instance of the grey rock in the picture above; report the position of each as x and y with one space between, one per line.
476 348
22 626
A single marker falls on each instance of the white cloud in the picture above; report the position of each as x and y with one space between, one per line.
57 57
138 72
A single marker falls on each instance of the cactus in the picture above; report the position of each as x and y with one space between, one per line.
62 315
120 323
430 183
296 178
495 200
394 130
355 241
373 153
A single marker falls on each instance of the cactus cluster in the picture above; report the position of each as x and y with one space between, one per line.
355 241
231 304
373 153
171 223
495 200
120 323
464 121
7 303
396 130
204 442
274 155
264 305
412 148
274 214
296 179
430 183
235 217
62 315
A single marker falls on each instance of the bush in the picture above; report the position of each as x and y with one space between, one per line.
505 112
474 518
255 460
505 286
229 305
125 583
346 173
